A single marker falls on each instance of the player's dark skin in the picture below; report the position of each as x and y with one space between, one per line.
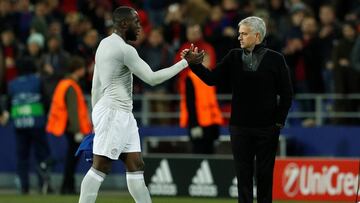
127 26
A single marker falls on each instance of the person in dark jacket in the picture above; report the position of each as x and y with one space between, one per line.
28 115
261 98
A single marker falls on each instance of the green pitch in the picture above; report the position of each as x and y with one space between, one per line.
117 199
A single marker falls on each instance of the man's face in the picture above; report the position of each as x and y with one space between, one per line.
309 26
53 44
248 39
193 33
134 27
326 15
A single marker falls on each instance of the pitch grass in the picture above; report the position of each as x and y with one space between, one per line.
123 198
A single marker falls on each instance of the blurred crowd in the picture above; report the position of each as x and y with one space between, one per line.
318 37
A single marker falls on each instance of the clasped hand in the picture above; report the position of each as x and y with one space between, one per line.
193 55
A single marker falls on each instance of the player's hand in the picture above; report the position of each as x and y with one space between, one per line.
193 55
196 132
184 52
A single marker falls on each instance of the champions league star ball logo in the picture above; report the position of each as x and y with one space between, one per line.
290 179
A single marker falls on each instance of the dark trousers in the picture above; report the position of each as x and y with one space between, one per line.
248 143
68 184
25 140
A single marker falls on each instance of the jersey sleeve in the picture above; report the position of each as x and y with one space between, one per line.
143 71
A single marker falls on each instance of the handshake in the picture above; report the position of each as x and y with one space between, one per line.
193 55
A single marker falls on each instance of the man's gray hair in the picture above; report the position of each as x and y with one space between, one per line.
256 24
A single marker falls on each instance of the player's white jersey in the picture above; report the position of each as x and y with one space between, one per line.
115 62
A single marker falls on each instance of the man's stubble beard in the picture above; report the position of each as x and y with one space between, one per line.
130 35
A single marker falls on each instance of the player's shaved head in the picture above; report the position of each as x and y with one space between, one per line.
122 13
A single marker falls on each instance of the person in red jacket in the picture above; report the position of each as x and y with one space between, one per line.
201 116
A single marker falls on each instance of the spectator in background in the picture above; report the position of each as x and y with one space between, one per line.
272 40
201 116
56 61
55 29
68 6
197 11
72 32
174 26
329 33
7 15
53 11
24 18
278 17
355 53
156 10
219 32
345 76
39 22
10 51
310 56
28 115
231 11
304 57
34 49
86 50
194 36
158 54
96 14
69 116
355 64
298 12
2 73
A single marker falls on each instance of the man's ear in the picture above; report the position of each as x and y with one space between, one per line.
258 36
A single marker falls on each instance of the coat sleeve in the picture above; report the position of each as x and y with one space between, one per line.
218 74
285 92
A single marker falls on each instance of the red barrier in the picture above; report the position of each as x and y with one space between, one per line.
316 179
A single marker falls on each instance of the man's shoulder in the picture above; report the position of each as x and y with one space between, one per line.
114 45
273 53
235 52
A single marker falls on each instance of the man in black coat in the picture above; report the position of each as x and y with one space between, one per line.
261 98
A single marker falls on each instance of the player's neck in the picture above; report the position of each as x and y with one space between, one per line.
74 77
120 33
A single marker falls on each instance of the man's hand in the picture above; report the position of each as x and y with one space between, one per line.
78 137
196 132
192 55
4 118
279 126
